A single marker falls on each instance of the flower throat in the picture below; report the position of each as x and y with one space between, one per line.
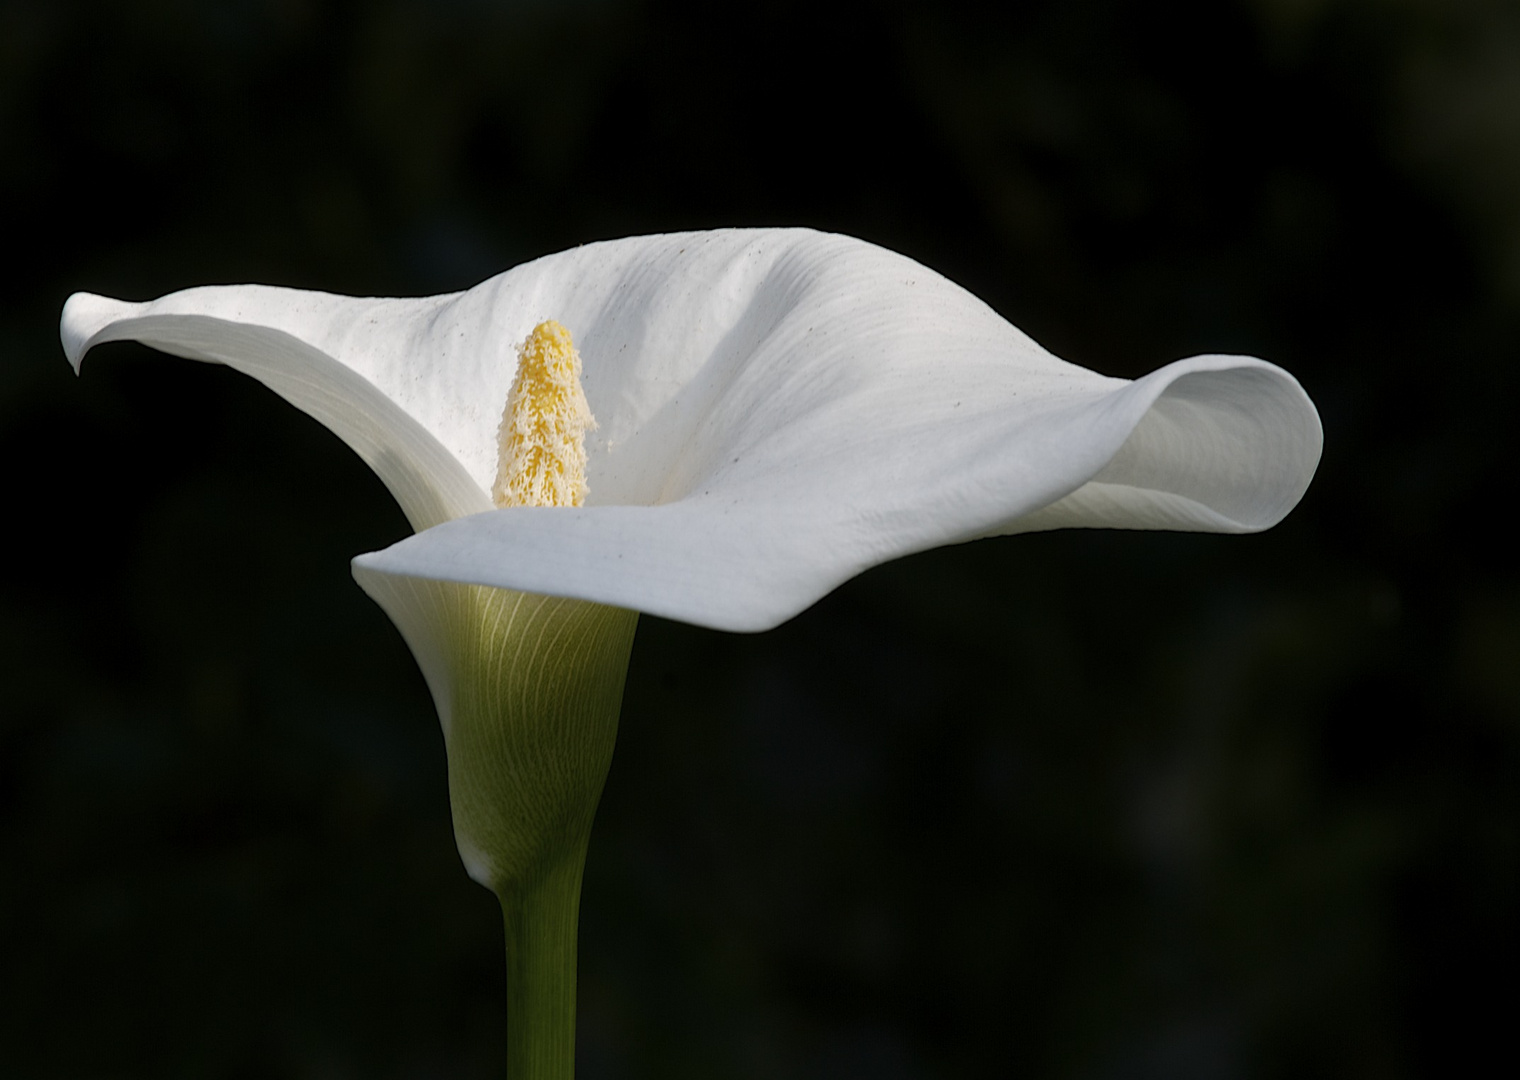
541 459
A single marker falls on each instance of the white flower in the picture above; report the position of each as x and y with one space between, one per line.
778 410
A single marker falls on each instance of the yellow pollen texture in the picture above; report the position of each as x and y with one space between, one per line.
542 459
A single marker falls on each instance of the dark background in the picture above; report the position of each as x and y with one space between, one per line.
1070 805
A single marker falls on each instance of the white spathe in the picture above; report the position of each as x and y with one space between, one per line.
778 410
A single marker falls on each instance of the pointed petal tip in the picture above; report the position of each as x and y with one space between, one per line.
84 316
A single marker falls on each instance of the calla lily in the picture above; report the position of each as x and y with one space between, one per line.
777 411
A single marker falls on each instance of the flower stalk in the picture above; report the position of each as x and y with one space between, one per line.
540 921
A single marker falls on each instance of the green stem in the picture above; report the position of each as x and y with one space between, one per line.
540 925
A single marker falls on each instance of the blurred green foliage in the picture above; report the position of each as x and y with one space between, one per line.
1067 805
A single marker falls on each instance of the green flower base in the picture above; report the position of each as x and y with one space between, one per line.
528 689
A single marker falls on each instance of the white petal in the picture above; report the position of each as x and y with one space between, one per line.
747 556
778 409
289 341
